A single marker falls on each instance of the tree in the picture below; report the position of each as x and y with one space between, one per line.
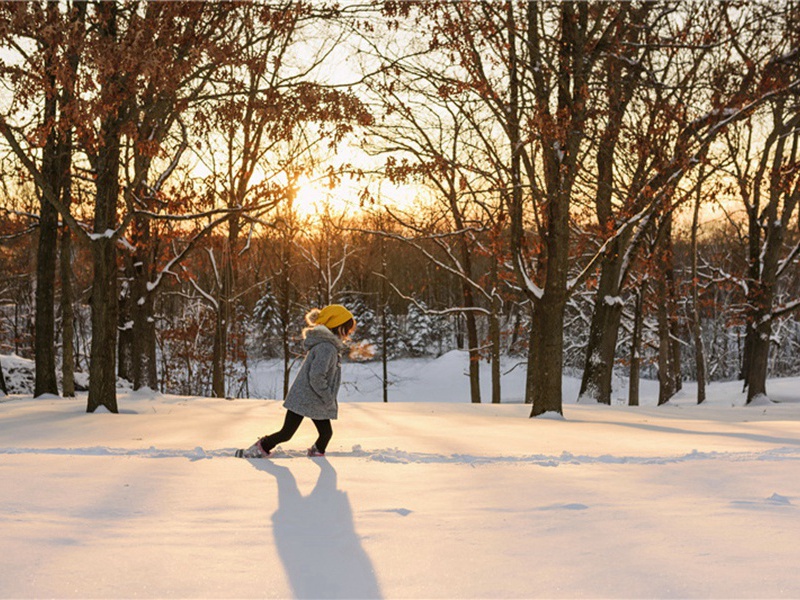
195 48
270 115
767 181
35 50
118 66
3 387
771 195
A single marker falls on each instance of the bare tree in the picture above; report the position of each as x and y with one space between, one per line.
265 116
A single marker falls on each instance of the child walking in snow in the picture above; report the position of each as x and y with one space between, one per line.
314 390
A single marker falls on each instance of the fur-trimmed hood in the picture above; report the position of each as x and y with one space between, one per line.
319 334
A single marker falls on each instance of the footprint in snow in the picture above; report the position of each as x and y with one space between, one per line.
571 506
774 500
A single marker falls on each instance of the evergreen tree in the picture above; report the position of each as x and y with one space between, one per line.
267 322
420 330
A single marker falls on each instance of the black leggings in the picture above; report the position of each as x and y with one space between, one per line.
290 425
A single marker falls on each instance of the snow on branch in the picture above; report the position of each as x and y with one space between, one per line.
456 270
428 311
530 286
784 264
643 217
211 300
785 309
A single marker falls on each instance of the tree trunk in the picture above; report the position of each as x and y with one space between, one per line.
547 393
219 350
666 364
384 324
761 297
102 366
44 333
668 361
472 349
494 334
759 357
125 326
636 348
697 329
674 328
286 305
287 359
105 301
533 356
603 333
67 316
44 340
65 265
139 327
224 308
3 387
145 371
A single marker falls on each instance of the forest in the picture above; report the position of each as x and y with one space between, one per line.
592 187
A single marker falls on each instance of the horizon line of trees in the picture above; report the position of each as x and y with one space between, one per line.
557 143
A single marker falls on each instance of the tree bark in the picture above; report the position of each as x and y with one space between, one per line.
603 333
102 367
472 349
547 393
224 310
219 350
137 338
384 300
668 370
67 316
3 387
636 347
125 326
44 329
286 305
104 302
44 341
697 329
65 264
759 356
494 335
533 356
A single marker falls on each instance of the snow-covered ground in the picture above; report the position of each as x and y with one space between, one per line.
428 496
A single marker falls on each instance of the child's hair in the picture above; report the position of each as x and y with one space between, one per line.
344 329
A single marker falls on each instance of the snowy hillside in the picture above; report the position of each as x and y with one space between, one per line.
432 497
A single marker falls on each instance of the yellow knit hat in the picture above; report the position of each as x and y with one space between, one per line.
331 316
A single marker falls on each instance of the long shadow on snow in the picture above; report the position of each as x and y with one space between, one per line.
753 437
316 538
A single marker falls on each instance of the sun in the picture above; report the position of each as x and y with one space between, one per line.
315 197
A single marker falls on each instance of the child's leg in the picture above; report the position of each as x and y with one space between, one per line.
325 433
290 425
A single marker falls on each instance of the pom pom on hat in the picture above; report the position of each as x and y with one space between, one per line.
331 316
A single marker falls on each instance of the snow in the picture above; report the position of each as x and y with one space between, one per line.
428 496
108 233
559 152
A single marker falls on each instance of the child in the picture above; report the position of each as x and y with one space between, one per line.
314 390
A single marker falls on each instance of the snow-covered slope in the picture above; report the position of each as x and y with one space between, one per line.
422 499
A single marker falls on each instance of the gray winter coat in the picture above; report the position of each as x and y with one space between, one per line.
313 392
